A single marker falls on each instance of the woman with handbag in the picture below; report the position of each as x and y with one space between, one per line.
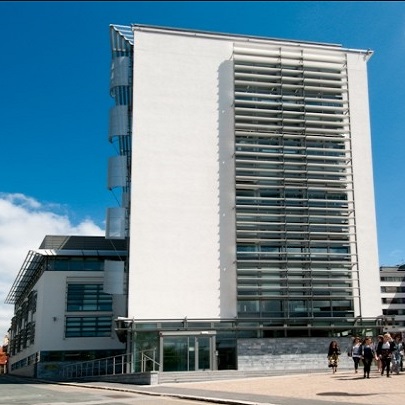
387 347
333 355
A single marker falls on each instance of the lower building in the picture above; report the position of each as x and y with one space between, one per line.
62 312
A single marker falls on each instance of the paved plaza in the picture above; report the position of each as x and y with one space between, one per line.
304 389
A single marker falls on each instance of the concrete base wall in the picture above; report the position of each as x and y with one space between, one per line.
28 371
150 378
267 355
289 354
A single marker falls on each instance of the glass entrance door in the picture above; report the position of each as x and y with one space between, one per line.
187 353
204 353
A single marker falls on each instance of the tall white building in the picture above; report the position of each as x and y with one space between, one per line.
247 190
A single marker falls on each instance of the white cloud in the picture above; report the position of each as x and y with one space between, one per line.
24 222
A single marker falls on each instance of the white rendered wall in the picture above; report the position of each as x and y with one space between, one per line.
182 230
370 299
51 304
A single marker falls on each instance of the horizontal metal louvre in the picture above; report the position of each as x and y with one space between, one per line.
293 98
304 115
289 62
273 84
295 228
283 79
277 69
286 52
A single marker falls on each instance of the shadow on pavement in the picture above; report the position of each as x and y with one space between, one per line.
342 394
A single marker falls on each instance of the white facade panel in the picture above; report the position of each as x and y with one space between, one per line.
115 224
117 172
113 277
120 66
366 227
118 121
182 243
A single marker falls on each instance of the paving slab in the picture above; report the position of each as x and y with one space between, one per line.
304 389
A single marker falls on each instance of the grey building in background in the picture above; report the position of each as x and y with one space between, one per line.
393 295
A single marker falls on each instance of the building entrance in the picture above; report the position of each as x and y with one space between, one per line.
187 351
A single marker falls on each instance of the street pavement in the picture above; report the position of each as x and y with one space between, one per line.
293 389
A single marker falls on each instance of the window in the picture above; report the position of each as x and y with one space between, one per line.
88 326
391 301
87 297
32 301
76 264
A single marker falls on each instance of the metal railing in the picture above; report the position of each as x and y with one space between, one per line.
121 364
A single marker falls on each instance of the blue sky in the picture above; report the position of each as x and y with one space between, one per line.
55 99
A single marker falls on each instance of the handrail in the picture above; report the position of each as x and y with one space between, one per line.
145 358
120 364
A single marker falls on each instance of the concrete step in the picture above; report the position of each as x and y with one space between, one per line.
168 377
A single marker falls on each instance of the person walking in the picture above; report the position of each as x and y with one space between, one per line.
396 354
368 354
387 347
380 339
333 355
356 353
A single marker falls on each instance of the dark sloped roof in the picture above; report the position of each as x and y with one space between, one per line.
60 245
69 242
